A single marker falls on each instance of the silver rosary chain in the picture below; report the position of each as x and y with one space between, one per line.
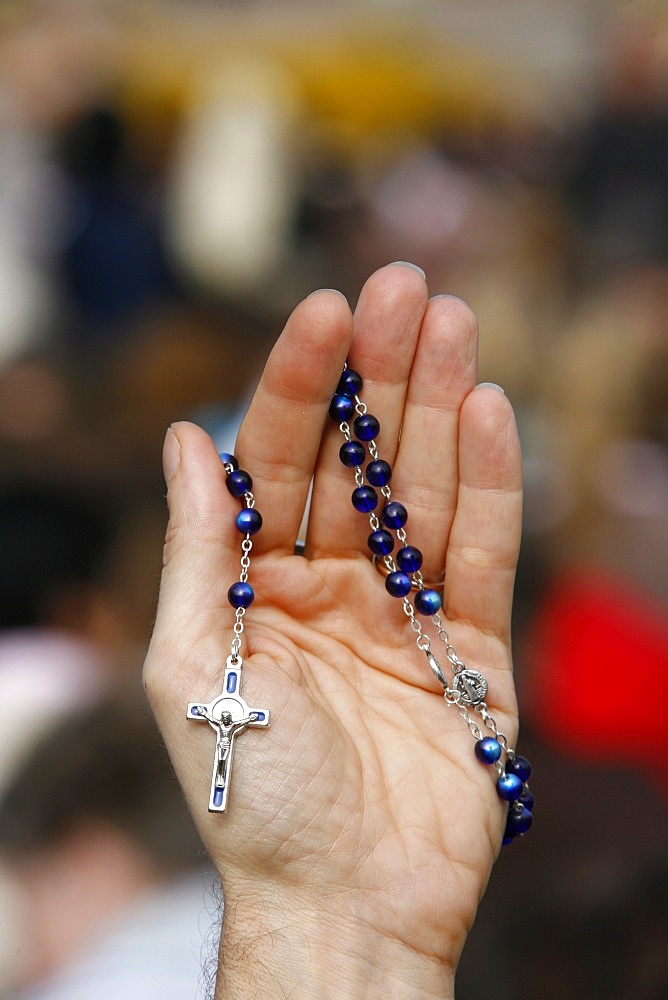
453 695
245 562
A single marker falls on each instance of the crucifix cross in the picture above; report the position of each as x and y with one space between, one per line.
228 715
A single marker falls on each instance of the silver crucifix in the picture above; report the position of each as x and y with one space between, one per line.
228 715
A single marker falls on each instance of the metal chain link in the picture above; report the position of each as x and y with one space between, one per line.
490 722
246 547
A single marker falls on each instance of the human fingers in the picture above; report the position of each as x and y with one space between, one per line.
485 536
386 329
280 436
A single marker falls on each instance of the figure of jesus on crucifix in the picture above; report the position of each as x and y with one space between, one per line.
226 731
228 715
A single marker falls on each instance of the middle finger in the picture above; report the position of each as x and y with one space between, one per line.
386 329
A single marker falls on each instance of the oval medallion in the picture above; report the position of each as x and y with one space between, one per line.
471 685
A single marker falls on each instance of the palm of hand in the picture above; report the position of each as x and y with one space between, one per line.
366 787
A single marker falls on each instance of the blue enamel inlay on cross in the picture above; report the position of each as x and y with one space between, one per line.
231 682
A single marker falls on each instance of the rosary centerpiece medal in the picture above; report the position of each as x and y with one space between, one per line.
228 714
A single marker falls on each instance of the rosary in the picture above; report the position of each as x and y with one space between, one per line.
229 715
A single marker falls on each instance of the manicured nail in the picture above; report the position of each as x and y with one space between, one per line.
407 263
490 385
171 455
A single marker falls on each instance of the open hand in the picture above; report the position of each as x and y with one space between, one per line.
361 829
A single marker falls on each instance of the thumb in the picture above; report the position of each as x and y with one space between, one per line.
199 562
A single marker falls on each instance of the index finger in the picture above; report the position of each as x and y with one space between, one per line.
280 436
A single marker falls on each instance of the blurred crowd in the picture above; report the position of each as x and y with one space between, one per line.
173 178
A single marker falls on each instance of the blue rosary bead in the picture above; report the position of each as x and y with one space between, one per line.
365 499
379 473
241 595
350 383
228 459
409 559
394 515
519 766
509 787
365 427
352 453
239 482
380 542
519 820
488 750
248 521
341 408
527 799
427 602
398 584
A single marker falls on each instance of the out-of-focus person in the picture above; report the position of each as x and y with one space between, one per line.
98 847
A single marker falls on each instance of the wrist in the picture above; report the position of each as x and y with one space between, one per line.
276 944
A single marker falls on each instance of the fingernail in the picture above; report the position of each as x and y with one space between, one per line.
335 291
171 455
407 263
490 385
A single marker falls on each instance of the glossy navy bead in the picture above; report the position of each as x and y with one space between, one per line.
508 838
488 750
241 595
527 799
381 542
239 482
427 601
409 559
365 499
341 408
350 383
248 521
519 766
228 459
379 473
398 584
366 427
352 453
519 820
394 515
509 787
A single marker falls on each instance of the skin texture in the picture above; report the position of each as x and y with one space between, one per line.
361 830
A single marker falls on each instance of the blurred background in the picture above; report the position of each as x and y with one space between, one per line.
174 177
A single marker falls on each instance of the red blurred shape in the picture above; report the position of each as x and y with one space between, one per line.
598 678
